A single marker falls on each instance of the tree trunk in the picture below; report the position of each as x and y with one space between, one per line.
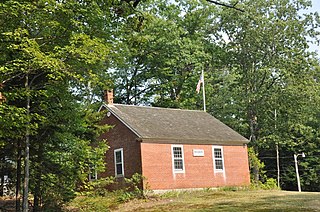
25 206
38 179
36 201
253 138
18 181
278 165
1 185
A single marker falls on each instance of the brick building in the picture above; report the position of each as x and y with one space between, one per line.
173 148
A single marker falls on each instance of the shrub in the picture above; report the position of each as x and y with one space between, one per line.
133 189
97 187
268 185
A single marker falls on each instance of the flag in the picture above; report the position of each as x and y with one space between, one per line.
199 83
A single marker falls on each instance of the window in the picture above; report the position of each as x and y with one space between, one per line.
177 158
218 158
118 162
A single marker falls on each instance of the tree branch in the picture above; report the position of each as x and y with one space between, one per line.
136 2
226 5
10 78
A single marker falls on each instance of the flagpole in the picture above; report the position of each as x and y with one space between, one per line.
203 92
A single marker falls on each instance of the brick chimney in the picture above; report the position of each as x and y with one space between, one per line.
108 96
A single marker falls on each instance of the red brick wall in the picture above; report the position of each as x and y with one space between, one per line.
121 137
154 161
199 173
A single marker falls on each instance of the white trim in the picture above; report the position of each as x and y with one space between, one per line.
110 109
115 164
172 156
101 107
214 160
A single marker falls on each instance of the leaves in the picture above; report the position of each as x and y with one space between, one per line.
51 50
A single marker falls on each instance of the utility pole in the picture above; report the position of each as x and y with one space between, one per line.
295 156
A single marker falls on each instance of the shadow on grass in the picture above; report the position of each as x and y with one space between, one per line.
240 201
280 201
293 201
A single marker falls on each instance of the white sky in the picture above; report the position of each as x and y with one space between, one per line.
315 8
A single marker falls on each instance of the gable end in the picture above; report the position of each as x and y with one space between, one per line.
120 119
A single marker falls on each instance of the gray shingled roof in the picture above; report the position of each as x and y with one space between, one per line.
164 125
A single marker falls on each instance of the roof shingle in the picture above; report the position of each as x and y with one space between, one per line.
152 124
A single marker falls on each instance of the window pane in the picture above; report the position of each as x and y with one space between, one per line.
177 156
178 164
219 164
218 158
217 153
119 169
118 157
177 152
118 160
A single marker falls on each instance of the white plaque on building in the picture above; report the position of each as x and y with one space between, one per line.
198 152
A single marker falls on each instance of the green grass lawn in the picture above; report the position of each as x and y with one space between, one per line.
205 200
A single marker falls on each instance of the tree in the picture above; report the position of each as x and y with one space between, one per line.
256 62
48 47
163 55
270 65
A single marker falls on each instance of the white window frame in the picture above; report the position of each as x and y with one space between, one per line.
173 159
115 162
216 159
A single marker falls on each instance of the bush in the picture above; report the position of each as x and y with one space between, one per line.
97 187
270 184
133 189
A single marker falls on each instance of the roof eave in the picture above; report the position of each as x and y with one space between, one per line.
194 141
109 108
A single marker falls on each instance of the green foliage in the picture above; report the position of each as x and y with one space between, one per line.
101 187
256 166
63 160
93 203
134 188
303 139
261 78
212 200
269 184
263 74
164 58
171 194
52 53
97 187
254 62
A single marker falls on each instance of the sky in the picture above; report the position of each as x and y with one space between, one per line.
315 8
